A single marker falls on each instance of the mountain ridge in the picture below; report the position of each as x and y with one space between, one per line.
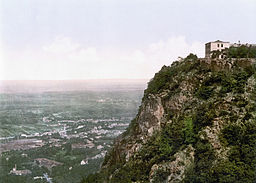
196 123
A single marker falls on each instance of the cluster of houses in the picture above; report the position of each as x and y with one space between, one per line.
221 45
19 172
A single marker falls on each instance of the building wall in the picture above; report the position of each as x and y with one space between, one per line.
219 46
214 46
207 50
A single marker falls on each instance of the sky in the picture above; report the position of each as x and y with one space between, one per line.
113 39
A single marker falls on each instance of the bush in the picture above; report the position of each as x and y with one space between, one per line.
164 78
204 157
241 162
242 51
160 176
229 82
160 80
203 116
192 57
205 92
161 147
188 130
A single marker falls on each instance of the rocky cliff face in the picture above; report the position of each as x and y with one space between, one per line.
196 123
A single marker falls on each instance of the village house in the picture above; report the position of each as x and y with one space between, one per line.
215 46
19 172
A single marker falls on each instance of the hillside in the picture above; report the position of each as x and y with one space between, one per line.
196 123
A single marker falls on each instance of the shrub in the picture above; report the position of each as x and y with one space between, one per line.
96 178
205 92
192 57
204 157
241 162
242 51
160 176
160 80
188 130
203 116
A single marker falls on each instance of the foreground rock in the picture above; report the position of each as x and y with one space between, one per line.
196 123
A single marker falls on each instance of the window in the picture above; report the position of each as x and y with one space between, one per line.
218 45
221 45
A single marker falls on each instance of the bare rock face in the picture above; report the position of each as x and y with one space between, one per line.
148 122
149 119
173 171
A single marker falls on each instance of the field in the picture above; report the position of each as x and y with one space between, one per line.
60 136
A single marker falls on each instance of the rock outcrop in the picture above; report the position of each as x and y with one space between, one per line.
196 123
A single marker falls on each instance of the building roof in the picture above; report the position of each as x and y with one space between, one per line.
217 41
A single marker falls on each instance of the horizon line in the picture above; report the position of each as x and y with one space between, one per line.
74 79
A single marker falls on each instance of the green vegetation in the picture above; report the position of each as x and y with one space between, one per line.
242 155
192 57
228 81
188 131
205 92
161 147
92 120
164 78
240 163
160 81
220 114
242 51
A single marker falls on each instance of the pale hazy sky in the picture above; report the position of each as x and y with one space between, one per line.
97 39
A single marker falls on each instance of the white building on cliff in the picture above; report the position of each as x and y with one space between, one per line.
215 46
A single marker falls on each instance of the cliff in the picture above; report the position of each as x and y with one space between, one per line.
196 123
